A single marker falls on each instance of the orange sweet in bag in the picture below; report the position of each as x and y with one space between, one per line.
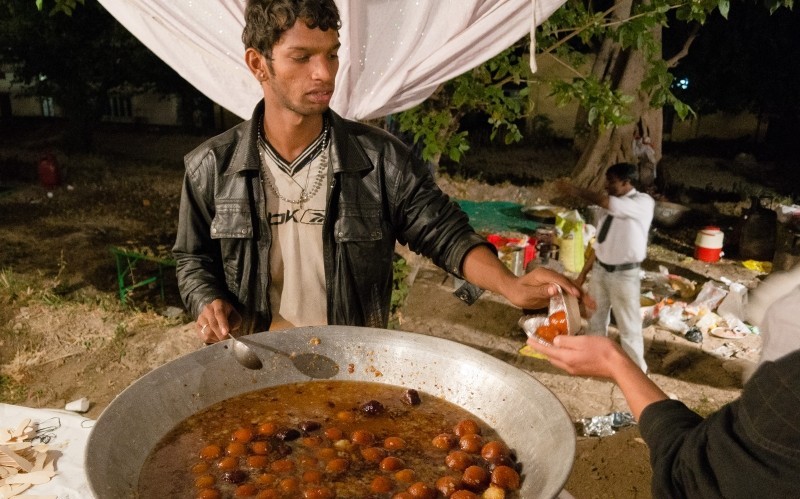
547 332
558 320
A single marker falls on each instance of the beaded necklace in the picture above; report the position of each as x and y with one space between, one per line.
305 194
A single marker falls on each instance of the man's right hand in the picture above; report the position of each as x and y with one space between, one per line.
217 320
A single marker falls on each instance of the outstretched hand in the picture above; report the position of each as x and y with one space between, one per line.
534 289
530 291
582 355
603 358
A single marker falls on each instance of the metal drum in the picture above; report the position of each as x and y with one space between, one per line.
525 413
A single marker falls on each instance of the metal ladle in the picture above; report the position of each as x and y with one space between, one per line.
245 355
311 364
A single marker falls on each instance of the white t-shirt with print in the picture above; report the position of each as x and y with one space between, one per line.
297 271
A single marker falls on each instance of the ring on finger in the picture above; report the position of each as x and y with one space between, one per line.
203 329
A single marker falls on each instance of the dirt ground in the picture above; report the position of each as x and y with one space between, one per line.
65 335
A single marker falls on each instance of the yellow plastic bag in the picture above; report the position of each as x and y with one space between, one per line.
570 248
527 351
763 267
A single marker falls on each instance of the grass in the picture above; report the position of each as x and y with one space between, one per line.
399 289
11 391
21 289
121 333
47 290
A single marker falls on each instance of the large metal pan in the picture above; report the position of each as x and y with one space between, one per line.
525 413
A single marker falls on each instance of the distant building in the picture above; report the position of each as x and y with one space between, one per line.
121 107
156 110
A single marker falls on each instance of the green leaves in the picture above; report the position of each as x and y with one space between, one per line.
436 130
635 31
605 106
658 84
498 88
64 6
724 8
774 5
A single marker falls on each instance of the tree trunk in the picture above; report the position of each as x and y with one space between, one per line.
81 123
83 108
625 70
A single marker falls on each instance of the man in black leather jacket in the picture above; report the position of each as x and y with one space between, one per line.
370 193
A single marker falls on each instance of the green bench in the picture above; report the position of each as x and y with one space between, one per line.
150 264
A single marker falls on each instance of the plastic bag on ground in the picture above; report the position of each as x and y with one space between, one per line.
604 426
733 308
709 298
671 317
734 302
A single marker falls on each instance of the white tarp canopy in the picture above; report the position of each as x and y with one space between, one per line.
394 53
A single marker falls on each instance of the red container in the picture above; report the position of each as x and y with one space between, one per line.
530 252
707 254
48 173
497 240
708 244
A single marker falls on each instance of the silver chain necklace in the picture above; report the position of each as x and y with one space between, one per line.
305 195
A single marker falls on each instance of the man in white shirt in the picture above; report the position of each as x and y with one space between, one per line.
619 249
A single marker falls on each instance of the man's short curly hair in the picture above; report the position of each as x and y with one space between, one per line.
267 20
623 171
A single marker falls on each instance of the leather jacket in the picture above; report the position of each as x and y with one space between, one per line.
377 195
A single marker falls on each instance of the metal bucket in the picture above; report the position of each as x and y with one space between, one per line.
525 413
668 214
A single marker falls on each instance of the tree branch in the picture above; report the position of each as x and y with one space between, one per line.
577 31
673 61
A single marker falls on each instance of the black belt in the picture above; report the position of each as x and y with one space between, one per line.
621 267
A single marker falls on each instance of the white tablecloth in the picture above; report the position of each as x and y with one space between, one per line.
68 436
